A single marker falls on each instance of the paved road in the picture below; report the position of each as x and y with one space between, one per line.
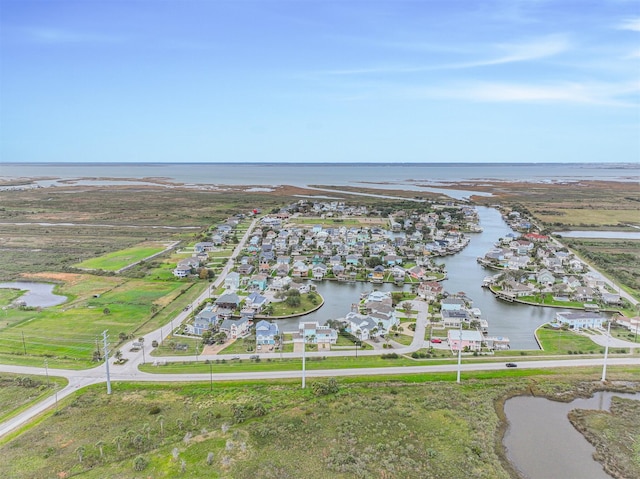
80 379
129 371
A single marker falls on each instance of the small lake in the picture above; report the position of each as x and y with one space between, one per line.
600 234
541 443
37 295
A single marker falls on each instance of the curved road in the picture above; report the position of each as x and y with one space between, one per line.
130 372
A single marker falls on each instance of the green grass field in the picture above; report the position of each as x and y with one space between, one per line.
557 341
19 392
70 331
124 257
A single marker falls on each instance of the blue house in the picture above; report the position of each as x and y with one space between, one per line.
266 332
204 321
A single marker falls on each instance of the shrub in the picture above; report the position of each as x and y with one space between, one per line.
155 410
390 356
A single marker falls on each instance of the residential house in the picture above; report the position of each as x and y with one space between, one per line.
266 333
278 284
204 321
545 277
235 328
583 293
377 275
228 301
255 301
182 271
258 281
314 333
203 247
580 319
319 271
232 280
471 340
363 326
430 290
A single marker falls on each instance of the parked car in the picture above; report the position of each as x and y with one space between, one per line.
236 357
436 340
259 347
254 356
511 365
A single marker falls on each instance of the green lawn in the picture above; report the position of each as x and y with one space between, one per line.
72 331
124 257
557 341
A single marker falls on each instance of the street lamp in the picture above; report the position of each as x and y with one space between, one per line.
46 368
606 352
459 352
304 339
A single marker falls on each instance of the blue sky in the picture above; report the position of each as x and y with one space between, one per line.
320 81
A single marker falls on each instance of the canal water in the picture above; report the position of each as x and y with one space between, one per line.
515 321
541 443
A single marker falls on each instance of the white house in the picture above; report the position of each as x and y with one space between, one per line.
580 319
313 333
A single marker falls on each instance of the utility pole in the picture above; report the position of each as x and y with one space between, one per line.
210 376
46 369
606 352
459 353
106 360
24 345
303 361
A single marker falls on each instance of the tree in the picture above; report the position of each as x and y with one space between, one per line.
140 463
407 306
118 355
293 300
100 446
160 420
118 442
80 452
122 336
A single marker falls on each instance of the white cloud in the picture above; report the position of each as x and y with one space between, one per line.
601 94
513 52
630 24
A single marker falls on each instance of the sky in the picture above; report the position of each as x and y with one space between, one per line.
528 81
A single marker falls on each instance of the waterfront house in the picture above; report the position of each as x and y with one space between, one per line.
313 333
362 326
255 301
266 332
580 319
228 301
235 328
465 339
319 271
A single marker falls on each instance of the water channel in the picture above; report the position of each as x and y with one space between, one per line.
515 321
541 442
37 295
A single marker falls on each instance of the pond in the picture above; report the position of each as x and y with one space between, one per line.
541 443
37 295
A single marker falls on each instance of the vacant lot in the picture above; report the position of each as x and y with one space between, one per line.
119 259
417 426
95 303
